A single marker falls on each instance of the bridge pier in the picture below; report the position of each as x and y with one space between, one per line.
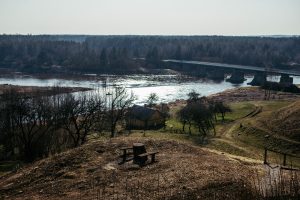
286 80
199 72
236 77
259 79
216 75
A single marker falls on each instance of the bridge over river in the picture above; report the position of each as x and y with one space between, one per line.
239 67
217 71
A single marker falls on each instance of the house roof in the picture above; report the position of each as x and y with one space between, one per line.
141 112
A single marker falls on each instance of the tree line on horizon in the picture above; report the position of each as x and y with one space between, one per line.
114 54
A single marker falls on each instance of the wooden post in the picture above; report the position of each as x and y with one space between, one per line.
124 155
265 156
284 159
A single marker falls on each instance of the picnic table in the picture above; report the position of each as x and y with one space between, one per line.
127 151
140 155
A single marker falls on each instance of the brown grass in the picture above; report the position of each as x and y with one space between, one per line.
286 121
93 167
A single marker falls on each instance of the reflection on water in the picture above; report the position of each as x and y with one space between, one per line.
168 87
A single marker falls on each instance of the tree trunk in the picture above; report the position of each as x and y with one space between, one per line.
113 130
215 133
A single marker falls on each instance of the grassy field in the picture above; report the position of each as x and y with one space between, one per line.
239 136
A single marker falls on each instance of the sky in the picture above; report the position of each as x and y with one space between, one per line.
150 17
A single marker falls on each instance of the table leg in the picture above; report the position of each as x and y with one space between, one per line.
124 155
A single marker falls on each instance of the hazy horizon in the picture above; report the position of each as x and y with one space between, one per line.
163 35
145 17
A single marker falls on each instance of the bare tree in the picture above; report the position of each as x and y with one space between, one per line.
118 101
79 115
32 121
185 117
220 108
198 113
152 99
202 117
7 136
34 125
193 96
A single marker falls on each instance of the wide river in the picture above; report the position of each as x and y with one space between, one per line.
167 87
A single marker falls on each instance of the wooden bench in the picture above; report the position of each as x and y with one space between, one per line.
125 154
144 156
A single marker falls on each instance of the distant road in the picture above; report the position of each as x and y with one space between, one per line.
231 66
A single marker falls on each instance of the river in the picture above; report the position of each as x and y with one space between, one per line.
167 87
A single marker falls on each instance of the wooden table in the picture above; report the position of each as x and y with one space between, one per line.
126 152
138 149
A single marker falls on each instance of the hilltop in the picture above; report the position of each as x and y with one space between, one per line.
182 169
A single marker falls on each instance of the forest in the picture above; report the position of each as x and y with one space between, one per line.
115 54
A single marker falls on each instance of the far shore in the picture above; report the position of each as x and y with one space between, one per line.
6 73
243 94
34 90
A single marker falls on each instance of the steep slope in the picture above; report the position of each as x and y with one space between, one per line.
286 121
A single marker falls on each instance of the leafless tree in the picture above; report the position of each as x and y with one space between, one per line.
32 120
218 107
78 115
152 99
185 117
118 103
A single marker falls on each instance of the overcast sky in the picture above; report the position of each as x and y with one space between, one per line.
155 17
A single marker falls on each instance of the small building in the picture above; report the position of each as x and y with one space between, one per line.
140 117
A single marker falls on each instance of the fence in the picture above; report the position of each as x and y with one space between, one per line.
286 160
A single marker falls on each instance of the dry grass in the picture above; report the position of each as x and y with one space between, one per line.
222 170
286 121
78 172
251 94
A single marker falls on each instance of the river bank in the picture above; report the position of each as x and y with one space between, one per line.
34 90
243 94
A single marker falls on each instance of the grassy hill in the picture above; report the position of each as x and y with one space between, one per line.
83 173
273 124
188 167
286 121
